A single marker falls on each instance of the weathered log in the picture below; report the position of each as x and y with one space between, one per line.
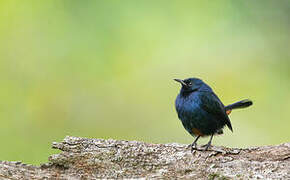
83 158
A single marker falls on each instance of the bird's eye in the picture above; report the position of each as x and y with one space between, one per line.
190 83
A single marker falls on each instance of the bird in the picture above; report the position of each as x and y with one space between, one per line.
201 111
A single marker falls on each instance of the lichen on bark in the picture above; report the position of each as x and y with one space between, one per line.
84 158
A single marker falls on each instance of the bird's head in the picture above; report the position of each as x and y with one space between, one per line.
190 84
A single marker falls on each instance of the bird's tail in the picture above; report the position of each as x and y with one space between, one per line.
240 104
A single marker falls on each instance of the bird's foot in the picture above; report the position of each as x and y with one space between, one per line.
206 146
193 146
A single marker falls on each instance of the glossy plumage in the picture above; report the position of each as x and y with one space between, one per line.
201 111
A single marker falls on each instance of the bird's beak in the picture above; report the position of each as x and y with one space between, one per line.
180 81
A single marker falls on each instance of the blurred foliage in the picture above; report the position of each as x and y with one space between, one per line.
104 69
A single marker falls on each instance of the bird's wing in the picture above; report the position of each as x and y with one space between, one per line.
211 104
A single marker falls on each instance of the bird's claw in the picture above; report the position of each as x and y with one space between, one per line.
193 147
206 146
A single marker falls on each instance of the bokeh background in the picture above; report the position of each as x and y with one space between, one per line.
104 69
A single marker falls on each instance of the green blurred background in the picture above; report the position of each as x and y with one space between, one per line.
104 69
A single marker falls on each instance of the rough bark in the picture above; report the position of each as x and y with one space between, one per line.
83 158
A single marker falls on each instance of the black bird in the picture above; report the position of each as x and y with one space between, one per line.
201 111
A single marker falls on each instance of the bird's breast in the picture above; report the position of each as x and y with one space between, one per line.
187 106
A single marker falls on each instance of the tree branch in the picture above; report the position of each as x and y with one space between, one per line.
83 158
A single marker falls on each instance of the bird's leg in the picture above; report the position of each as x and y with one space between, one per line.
208 144
193 145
